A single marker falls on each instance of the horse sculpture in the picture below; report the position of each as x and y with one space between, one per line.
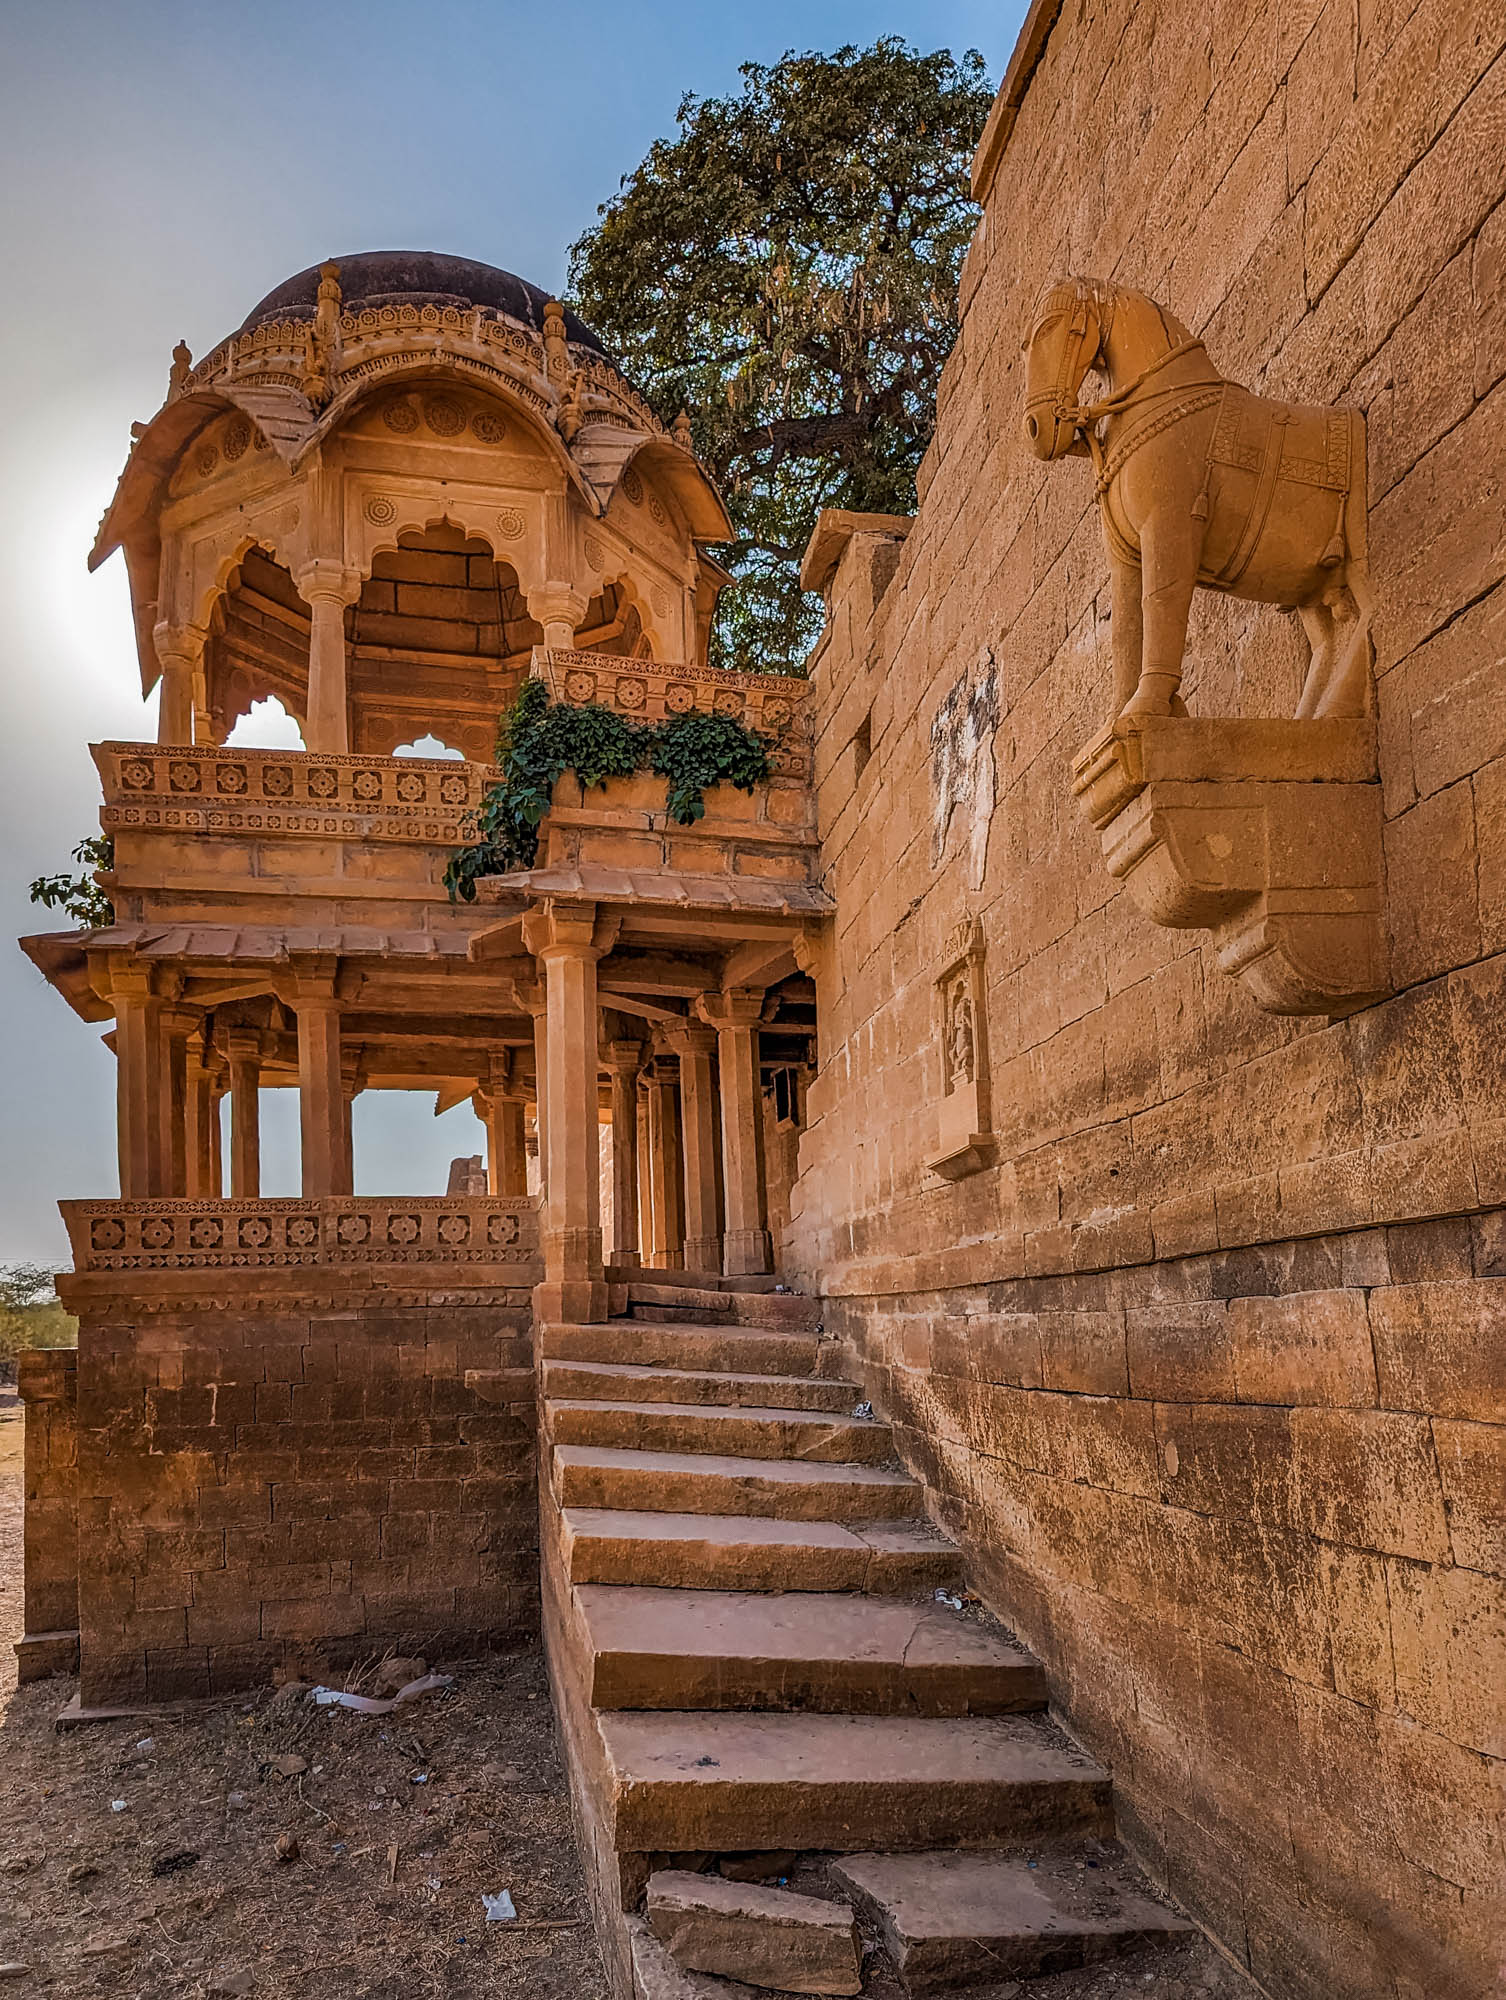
1201 482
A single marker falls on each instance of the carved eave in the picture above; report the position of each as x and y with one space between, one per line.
62 958
282 416
605 451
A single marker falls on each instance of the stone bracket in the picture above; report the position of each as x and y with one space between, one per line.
1265 832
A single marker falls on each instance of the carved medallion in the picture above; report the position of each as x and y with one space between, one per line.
399 415
237 440
488 426
631 693
596 554
632 486
444 416
511 523
580 686
381 511
207 458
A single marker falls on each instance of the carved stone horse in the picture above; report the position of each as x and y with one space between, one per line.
1201 482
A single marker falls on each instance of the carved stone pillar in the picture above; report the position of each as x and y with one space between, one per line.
623 1061
735 1016
532 1000
203 1124
567 940
665 1182
324 1107
559 608
327 587
243 1048
178 1025
140 1059
501 1111
703 1235
180 653
646 1222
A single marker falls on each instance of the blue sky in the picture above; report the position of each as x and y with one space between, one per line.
164 167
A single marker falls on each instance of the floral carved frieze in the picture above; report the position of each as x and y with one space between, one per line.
776 704
329 1231
286 792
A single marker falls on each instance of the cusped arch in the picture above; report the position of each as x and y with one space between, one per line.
440 366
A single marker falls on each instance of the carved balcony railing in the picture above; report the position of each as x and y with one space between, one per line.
347 1232
778 705
220 790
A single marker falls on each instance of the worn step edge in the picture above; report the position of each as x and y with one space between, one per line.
703 1779
620 1381
702 1483
809 1437
755 1552
828 1652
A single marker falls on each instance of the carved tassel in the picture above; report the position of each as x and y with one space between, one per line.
1200 505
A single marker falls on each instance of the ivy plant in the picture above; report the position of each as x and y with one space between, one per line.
80 896
539 740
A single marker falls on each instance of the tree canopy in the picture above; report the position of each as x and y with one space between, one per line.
785 268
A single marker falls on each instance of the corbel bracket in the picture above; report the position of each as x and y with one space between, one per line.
1265 832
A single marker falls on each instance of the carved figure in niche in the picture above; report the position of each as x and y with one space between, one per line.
959 1035
1202 482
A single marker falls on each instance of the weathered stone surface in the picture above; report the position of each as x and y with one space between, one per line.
956 1919
764 1937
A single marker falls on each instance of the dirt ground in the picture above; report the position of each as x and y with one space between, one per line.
402 1824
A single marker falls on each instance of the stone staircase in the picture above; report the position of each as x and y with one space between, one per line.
763 1667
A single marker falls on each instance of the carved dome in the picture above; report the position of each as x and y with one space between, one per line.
418 277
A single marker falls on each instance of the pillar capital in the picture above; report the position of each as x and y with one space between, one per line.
325 580
736 1007
688 1038
559 608
184 643
622 1059
570 930
315 974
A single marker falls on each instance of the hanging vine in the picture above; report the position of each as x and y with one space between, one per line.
540 740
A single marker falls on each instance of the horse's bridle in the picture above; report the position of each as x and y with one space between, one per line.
1075 359
1075 363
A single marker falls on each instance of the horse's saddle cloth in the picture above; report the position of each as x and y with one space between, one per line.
1301 442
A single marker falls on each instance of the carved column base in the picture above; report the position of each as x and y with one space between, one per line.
747 1253
1266 833
703 1253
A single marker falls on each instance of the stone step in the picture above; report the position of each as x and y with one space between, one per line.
843 1783
753 1552
705 1349
725 1431
953 1919
702 1281
698 1483
791 1310
811 1651
631 1382
749 1932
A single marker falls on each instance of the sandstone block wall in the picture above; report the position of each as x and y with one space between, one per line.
1207 1367
298 1490
48 1383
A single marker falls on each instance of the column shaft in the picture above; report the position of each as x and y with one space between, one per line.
746 1244
203 1136
140 1059
328 719
245 1118
703 1235
574 1283
664 1167
323 1105
624 1158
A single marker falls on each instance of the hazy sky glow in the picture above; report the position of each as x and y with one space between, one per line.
165 166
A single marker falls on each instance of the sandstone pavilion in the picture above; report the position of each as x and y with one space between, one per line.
299 1431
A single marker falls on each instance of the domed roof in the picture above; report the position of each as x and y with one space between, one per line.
418 277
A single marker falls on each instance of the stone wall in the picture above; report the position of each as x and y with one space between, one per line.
48 1382
1206 1366
269 1490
